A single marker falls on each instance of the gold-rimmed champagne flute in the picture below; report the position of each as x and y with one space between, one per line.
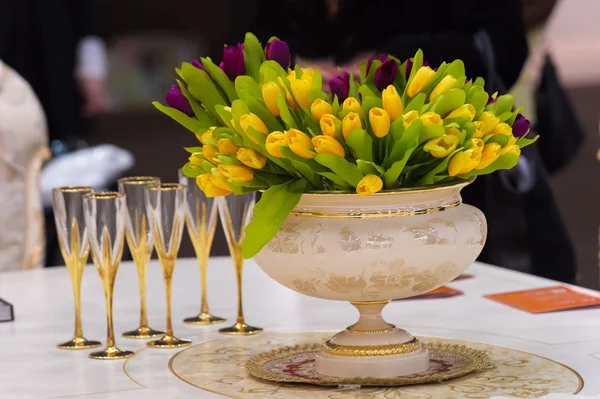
201 222
236 213
165 204
74 246
141 243
105 223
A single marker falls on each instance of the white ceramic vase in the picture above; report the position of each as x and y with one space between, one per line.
368 251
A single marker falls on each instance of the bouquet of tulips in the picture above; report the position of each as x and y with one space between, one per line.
263 125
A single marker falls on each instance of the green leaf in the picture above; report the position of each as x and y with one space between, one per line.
316 87
478 100
253 55
199 112
498 138
431 131
256 135
192 124
341 183
361 143
341 167
191 172
284 112
393 173
428 179
220 78
353 89
193 150
396 132
365 91
449 101
249 85
363 72
370 102
456 69
416 104
224 114
512 118
369 168
374 65
409 140
228 159
503 104
202 87
524 141
469 130
309 174
269 214
506 161
479 81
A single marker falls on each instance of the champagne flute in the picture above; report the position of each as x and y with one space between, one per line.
236 212
74 246
141 243
165 204
201 221
105 222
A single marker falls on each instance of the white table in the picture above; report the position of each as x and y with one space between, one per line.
32 367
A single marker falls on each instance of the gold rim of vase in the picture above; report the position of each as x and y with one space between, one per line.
378 214
376 350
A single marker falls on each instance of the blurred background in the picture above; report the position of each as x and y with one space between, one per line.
141 42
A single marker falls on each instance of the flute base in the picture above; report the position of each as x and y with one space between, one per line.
169 341
143 333
111 353
79 343
204 319
240 329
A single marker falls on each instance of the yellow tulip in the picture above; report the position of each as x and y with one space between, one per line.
409 118
319 108
490 153
209 152
467 110
299 143
350 122
195 160
511 149
206 182
330 125
270 91
441 147
443 86
236 173
380 122
206 137
454 132
251 158
307 74
511 140
487 122
464 162
479 130
218 180
253 121
477 145
431 118
328 145
422 78
392 102
274 141
352 104
300 88
503 128
227 147
370 184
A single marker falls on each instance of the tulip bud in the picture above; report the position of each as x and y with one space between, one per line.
328 145
409 118
383 58
209 152
454 132
353 105
196 160
464 162
251 158
330 125
490 153
511 149
274 141
476 145
503 128
380 122
385 74
370 184
392 102
340 86
422 78
251 120
270 90
233 61
521 126
300 89
431 118
176 99
350 122
319 108
443 86
207 137
409 65
198 65
441 147
299 143
236 173
487 123
278 50
227 147
467 110
206 182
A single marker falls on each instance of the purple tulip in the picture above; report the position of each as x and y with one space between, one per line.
340 85
409 64
278 50
233 61
521 126
382 57
176 99
385 74
198 65
491 100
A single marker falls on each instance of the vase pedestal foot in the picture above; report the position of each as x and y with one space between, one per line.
372 348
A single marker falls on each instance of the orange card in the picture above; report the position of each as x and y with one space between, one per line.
441 292
547 299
